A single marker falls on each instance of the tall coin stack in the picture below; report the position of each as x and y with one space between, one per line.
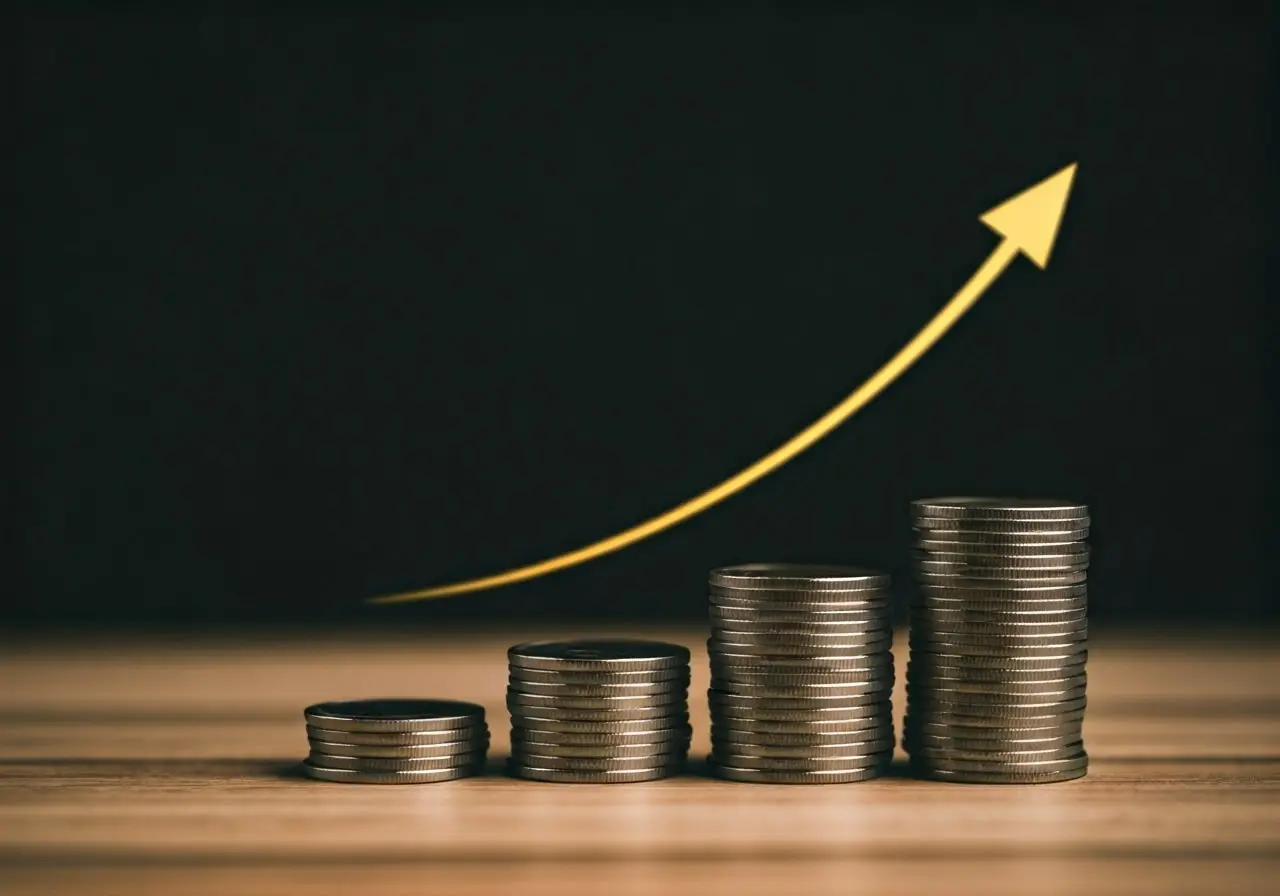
603 711
395 741
996 679
801 674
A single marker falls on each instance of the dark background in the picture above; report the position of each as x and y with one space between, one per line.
313 307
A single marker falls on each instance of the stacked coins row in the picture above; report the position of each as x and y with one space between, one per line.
395 741
801 674
601 712
996 679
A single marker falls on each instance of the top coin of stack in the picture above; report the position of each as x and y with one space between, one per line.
801 674
395 741
996 680
604 711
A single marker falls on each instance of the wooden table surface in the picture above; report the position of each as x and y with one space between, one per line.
167 765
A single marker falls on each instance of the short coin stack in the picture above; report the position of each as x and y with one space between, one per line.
996 680
395 741
604 711
801 674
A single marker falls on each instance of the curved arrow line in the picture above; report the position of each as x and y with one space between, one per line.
1026 228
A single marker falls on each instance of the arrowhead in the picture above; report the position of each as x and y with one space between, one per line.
1030 220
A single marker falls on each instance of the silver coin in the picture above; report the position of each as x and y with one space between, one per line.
648 702
824 630
1032 610
605 677
565 776
947 657
808 651
351 776
928 576
1004 766
1000 594
884 608
729 751
797 616
1007 729
922 665
805 764
964 777
961 701
804 644
964 544
665 691
833 641
933 754
997 740
923 719
548 747
762 776
926 683
1032 650
794 601
772 728
922 698
972 509
596 725
400 738
804 741
806 577
1047 557
393 714
634 736
880 686
669 715
971 713
768 700
1012 616
598 655
1000 567
595 763
410 751
734 715
926 526
766 679
731 665
988 538
1002 634
373 764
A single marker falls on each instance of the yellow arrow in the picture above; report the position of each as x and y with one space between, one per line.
1029 224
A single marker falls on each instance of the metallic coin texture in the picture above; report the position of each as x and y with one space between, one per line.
373 764
801 673
997 681
975 509
394 714
632 736
353 776
797 577
567 776
599 655
848 775
598 711
676 689
411 751
605 677
395 741
400 738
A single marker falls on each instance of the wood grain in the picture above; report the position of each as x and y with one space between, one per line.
168 765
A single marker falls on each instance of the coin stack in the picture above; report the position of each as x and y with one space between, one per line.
996 679
395 741
605 711
801 674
